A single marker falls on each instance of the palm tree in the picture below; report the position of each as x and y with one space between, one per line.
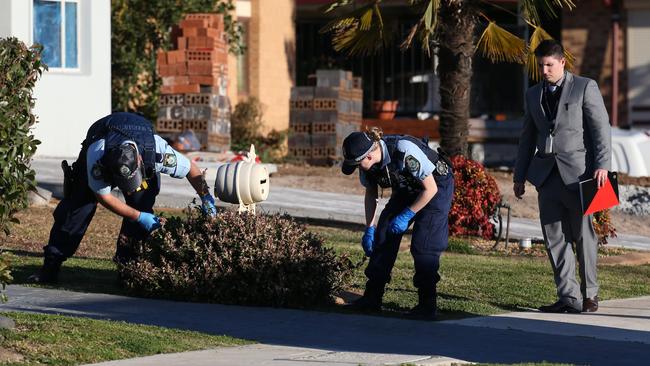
449 26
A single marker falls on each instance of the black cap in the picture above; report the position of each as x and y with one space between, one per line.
124 166
355 147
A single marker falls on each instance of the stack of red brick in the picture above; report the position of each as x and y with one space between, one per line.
195 80
201 57
321 116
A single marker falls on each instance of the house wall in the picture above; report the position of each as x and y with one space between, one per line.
272 59
587 34
638 61
68 102
5 18
243 13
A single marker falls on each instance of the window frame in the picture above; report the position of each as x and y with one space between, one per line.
62 69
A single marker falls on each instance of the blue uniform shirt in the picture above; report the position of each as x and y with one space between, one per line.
173 163
415 161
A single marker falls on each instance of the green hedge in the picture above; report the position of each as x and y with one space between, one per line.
20 68
237 259
141 28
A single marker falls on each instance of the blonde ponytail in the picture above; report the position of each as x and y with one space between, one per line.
375 133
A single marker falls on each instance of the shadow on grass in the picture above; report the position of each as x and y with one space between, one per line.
330 223
448 315
23 253
31 254
92 275
73 278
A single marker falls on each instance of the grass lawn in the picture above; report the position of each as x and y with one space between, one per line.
472 284
478 284
61 340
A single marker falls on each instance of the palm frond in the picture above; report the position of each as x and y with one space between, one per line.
533 8
431 15
359 32
338 4
499 45
570 59
536 38
531 62
430 23
426 27
366 20
408 41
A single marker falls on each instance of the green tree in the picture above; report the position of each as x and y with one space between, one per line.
450 27
139 29
20 68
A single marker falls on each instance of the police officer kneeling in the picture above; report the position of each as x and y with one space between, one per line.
422 186
120 150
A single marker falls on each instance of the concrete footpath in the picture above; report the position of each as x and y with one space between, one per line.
301 203
619 334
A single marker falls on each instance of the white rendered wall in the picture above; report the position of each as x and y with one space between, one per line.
68 102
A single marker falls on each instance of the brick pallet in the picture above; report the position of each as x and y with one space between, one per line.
322 116
194 83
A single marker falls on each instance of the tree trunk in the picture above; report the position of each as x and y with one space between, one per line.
457 22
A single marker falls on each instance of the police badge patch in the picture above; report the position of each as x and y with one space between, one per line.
169 160
412 164
441 167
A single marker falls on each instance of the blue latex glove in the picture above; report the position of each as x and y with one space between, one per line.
368 240
207 205
401 222
149 222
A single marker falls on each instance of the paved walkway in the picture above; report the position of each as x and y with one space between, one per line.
302 203
619 334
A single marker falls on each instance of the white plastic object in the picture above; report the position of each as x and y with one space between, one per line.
244 182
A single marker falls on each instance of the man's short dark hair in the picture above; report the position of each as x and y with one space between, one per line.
549 47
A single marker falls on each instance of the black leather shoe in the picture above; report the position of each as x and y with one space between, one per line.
427 305
559 307
422 312
365 304
370 302
590 305
48 274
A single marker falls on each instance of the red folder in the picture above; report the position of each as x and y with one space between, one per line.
594 199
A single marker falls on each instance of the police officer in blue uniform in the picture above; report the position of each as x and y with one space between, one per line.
422 186
120 150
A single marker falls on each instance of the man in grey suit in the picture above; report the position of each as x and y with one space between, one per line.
566 138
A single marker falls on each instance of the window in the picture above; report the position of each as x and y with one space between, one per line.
56 28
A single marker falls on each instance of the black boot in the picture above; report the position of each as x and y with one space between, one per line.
49 273
426 307
371 299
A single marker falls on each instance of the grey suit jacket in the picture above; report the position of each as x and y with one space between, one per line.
581 139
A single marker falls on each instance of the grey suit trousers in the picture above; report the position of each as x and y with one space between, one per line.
563 225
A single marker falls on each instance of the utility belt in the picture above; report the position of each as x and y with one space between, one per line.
69 178
73 176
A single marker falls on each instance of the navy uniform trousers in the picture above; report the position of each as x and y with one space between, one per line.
429 240
74 213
